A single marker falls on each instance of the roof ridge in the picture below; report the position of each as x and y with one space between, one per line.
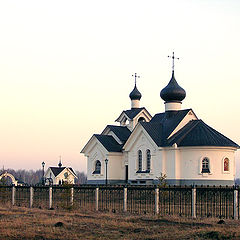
214 131
187 132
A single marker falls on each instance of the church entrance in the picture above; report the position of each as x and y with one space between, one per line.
126 174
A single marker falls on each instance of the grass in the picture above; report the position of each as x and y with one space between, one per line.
24 223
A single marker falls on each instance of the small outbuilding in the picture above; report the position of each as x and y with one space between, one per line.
59 175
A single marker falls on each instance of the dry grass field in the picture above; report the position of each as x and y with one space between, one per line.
24 223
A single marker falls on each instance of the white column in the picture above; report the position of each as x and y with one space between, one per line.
96 199
235 204
31 197
50 197
194 195
71 197
125 199
156 200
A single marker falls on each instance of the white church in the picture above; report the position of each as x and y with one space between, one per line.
175 143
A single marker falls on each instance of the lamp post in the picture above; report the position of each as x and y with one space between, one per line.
43 182
106 162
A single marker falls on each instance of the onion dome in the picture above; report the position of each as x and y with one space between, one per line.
135 94
173 92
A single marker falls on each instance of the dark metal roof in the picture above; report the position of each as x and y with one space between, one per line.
198 133
155 131
169 120
109 143
133 112
194 133
122 132
57 170
173 92
135 94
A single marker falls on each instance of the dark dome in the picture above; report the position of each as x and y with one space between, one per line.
173 92
135 94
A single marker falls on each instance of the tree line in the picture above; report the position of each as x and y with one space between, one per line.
31 177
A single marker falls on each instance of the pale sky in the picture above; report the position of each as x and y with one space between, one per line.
66 66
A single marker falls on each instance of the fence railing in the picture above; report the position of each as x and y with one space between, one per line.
222 202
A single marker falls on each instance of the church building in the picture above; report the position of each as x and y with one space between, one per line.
175 143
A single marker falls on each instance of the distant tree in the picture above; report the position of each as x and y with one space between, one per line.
237 181
31 177
82 178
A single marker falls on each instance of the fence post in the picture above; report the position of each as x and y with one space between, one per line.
194 195
96 199
31 197
71 197
235 204
13 195
125 199
50 197
156 200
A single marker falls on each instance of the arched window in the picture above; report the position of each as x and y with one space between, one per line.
148 155
226 165
139 160
141 119
97 167
205 165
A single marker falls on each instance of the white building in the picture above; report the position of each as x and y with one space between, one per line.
175 143
59 175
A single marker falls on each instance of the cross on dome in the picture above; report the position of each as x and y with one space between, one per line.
135 78
173 58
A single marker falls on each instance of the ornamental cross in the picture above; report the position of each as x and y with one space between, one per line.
173 57
135 77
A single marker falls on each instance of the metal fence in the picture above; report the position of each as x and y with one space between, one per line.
219 202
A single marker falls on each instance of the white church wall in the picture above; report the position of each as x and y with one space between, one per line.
116 167
191 163
142 142
96 153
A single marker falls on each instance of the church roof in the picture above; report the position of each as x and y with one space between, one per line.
109 143
122 132
131 113
169 120
198 133
194 133
57 170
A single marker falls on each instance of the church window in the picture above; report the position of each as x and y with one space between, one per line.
226 165
205 165
97 167
148 153
139 160
141 119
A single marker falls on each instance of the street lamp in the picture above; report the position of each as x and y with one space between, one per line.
106 162
43 182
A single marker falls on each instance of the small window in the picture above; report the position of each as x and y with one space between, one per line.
226 165
148 155
205 165
97 167
139 160
141 119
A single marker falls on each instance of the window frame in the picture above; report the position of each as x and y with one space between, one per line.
96 170
148 160
223 161
205 169
140 161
